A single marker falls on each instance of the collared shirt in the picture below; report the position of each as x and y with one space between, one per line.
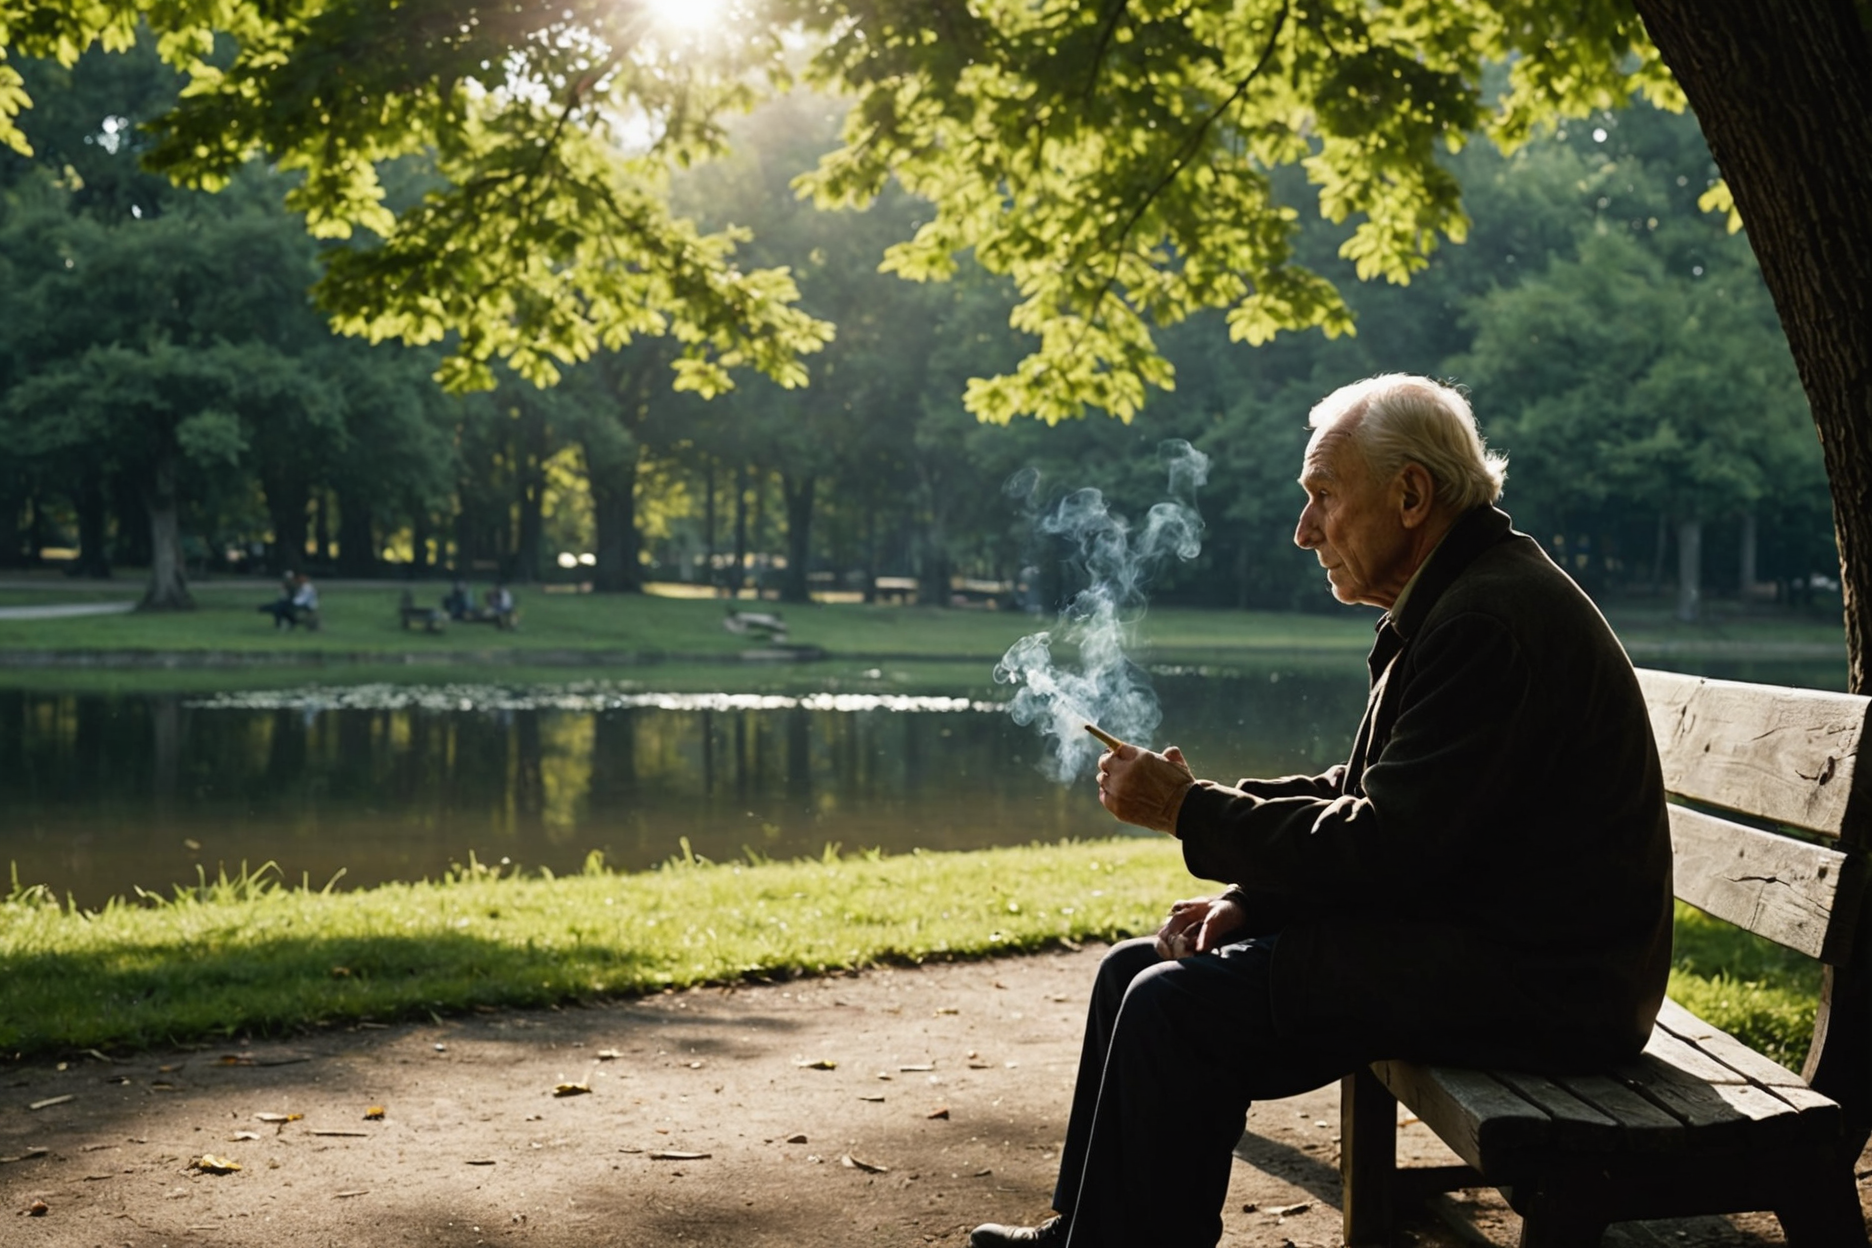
1396 612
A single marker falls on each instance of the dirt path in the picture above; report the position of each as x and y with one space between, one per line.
892 1107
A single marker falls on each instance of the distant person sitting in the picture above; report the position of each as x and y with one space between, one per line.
500 607
458 602
281 608
297 604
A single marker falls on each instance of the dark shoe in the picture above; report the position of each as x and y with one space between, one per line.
1049 1234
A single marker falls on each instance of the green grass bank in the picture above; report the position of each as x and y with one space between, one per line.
251 956
361 622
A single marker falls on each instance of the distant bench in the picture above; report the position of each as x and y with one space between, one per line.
1700 1123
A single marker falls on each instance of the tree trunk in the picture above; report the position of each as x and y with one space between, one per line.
526 562
357 538
419 540
737 576
286 507
12 531
1657 554
614 512
708 523
1783 90
321 526
168 585
1689 569
93 526
798 492
1745 570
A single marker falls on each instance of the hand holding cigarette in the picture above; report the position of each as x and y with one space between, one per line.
1141 786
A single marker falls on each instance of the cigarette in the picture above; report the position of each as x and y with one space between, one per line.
1106 737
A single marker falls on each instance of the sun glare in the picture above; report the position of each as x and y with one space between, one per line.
690 16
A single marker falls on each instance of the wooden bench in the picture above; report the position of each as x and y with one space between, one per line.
432 619
1699 1123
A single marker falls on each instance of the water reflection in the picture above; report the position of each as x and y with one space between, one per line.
101 794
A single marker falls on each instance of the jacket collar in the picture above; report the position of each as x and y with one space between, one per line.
1474 531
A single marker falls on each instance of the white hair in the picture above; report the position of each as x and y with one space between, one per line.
1396 419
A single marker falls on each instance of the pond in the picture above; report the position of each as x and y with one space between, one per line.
106 793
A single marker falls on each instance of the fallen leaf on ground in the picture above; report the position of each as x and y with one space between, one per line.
941 1111
922 1066
50 1101
982 1174
571 1089
947 1009
859 1163
820 1063
606 1055
798 1137
873 1099
356 1135
362 1191
278 1118
37 1209
677 1154
102 1057
27 1155
208 1163
480 1161
167 1070
374 1114
1283 1211
237 1059
243 1135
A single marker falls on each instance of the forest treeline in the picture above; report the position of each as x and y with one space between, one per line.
171 397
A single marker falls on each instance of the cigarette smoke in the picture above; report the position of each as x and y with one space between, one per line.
1105 688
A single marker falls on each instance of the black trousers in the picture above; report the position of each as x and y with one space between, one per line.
1174 1054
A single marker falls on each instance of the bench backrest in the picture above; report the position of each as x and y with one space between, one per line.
1787 759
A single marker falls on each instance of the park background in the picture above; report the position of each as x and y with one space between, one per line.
168 385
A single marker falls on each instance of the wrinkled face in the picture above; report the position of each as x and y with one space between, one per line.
1352 523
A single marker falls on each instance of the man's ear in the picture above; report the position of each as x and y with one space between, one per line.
1416 494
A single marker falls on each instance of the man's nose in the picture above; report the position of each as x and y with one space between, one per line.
1306 533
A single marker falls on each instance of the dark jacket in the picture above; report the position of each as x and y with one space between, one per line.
1488 879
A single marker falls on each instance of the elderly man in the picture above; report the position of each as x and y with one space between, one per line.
1486 880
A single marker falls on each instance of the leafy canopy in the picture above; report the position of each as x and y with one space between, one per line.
1112 157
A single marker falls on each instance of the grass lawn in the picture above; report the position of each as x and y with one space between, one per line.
251 956
361 625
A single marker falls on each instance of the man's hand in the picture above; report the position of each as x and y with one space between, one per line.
1143 787
1197 926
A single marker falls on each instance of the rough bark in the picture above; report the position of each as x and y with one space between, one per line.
168 583
1783 90
798 492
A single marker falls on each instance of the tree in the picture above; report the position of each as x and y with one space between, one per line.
1115 159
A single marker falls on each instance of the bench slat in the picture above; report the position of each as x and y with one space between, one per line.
1647 1129
1575 1123
1757 1068
1471 1112
1784 755
1716 1115
1769 884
